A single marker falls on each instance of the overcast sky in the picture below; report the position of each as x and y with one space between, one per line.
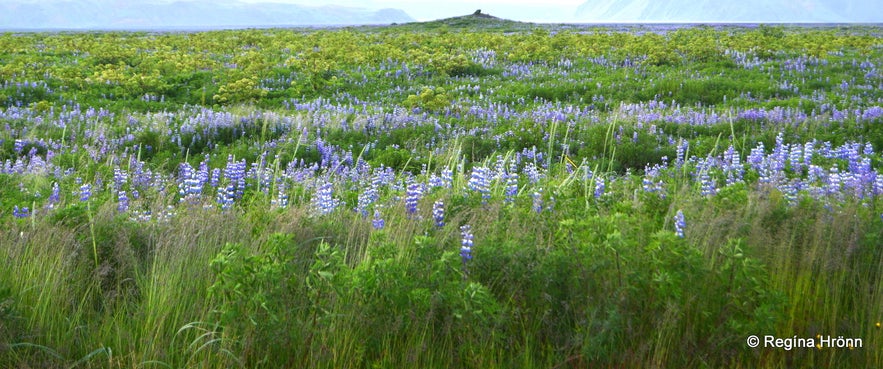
424 10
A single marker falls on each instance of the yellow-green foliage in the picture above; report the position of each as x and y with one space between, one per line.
429 99
242 90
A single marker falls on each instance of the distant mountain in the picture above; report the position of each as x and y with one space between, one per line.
153 14
726 11
474 21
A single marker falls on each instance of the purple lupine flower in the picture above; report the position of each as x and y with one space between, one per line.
808 150
323 200
366 198
226 196
325 152
499 172
599 186
281 199
756 157
20 213
240 184
377 222
18 146
435 181
466 243
825 150
85 192
412 196
511 187
865 175
54 196
733 166
681 151
190 186
203 173
650 182
447 176
680 224
532 172
732 179
216 177
235 174
120 177
777 157
878 184
707 184
537 200
834 182
647 184
795 157
851 154
789 192
122 202
479 181
438 213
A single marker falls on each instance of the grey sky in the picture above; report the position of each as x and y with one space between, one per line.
422 10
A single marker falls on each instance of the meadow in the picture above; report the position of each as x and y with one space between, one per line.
464 194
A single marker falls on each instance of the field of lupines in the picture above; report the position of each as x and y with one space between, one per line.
437 196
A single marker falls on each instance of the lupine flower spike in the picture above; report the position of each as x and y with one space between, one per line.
680 224
466 244
438 213
377 222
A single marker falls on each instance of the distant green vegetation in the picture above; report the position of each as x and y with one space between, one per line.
465 193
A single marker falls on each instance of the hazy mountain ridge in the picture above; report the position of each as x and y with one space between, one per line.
115 14
716 11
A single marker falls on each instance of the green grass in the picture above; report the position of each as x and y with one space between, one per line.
600 286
